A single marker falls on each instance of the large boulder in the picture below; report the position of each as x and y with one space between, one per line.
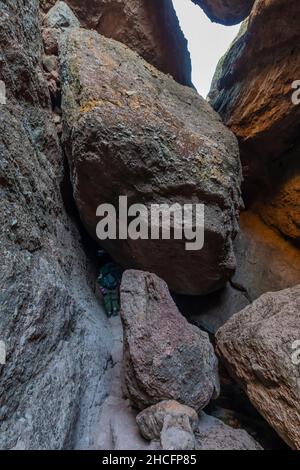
259 348
131 131
55 332
253 91
165 357
227 12
151 28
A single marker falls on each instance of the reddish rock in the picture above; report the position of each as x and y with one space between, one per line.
165 357
259 348
150 28
226 12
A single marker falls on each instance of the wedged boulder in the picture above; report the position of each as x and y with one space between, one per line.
165 357
253 91
131 131
151 28
151 420
213 434
55 332
226 12
170 423
259 348
177 434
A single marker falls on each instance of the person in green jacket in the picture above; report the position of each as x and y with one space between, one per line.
110 279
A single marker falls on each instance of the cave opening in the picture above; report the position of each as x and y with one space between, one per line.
207 42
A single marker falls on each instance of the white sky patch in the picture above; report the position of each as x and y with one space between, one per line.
208 42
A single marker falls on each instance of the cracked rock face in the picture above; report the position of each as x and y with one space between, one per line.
57 341
150 28
160 347
259 348
131 131
227 12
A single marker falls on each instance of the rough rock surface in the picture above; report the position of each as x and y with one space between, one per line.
150 28
160 346
213 434
265 261
227 12
177 434
258 347
61 16
116 428
267 117
57 341
130 130
151 420
280 208
254 99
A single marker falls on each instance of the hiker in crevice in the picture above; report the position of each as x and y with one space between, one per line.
109 280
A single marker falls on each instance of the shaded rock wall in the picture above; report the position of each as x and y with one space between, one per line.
253 92
265 263
150 28
57 341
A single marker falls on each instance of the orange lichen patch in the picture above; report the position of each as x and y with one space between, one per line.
92 104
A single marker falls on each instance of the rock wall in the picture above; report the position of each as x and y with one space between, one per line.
150 28
265 58
57 340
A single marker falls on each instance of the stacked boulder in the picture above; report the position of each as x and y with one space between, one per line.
171 371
